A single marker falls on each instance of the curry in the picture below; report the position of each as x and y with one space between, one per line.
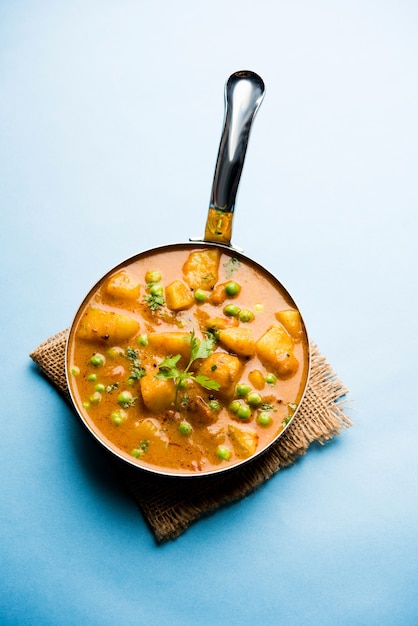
188 359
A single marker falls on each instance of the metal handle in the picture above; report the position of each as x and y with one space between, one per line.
244 92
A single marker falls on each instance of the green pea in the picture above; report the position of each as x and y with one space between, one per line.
75 371
95 397
97 360
254 398
223 452
114 352
242 390
153 276
156 289
234 406
100 388
232 310
125 399
86 404
232 289
259 307
118 417
270 379
244 412
92 377
245 315
264 419
200 295
214 405
137 453
185 428
143 339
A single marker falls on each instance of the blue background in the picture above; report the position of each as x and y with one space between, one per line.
110 119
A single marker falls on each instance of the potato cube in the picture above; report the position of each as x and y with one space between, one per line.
216 324
157 394
178 296
224 368
201 269
106 325
243 439
121 285
238 340
275 348
167 343
219 295
275 339
292 322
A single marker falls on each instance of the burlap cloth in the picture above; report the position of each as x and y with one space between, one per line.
170 504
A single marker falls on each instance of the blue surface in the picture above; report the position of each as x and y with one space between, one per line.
111 115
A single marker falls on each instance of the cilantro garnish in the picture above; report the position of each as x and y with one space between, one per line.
137 372
155 300
231 266
292 406
199 349
144 445
126 403
141 449
212 334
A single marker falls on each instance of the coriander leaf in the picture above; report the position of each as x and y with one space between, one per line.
194 346
206 382
110 388
137 372
212 334
131 353
144 445
231 266
167 374
168 368
200 349
170 362
185 400
141 449
154 301
125 404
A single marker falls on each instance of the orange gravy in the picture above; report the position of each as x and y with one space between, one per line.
186 362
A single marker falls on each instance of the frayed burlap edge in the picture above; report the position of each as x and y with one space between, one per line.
170 504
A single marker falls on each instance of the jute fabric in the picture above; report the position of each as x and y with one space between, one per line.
170 505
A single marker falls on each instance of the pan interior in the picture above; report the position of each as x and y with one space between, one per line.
129 367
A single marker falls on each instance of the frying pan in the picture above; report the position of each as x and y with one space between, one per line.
244 92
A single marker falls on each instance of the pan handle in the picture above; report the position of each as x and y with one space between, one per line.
244 92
